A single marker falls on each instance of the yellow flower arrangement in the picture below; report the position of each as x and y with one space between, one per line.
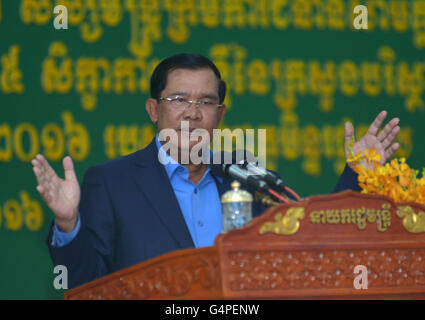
394 179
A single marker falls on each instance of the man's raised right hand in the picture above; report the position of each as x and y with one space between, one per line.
62 196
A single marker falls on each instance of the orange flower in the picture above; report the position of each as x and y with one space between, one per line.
395 179
372 155
354 159
360 170
395 165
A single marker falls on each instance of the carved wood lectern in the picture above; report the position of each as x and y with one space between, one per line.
341 246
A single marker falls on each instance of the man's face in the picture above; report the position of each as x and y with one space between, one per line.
191 85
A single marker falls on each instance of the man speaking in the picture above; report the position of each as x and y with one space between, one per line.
151 202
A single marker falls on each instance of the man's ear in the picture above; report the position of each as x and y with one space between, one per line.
221 112
152 109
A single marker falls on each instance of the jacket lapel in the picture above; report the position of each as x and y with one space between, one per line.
151 178
223 186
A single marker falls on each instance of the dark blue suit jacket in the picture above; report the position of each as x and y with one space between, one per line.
129 213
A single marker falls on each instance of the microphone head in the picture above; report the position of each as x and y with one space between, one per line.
243 157
219 163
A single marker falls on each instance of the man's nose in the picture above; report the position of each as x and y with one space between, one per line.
192 111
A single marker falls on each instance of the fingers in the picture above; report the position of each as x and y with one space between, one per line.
44 170
39 161
44 193
68 167
40 189
377 123
389 139
389 152
44 173
388 129
38 167
348 132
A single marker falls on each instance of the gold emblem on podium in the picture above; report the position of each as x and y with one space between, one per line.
412 222
287 225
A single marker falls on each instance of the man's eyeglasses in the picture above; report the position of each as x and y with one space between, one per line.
183 103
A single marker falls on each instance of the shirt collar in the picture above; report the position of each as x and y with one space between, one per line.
172 165
166 160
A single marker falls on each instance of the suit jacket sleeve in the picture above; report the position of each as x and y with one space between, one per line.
90 254
347 180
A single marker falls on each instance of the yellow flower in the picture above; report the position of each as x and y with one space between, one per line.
395 179
372 155
361 171
355 159
395 165
405 180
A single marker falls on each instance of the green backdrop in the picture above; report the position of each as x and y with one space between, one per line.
296 68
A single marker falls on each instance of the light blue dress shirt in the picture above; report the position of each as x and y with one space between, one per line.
200 204
60 238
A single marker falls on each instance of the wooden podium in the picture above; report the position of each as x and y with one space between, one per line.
304 250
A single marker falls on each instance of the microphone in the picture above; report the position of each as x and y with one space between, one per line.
221 167
247 161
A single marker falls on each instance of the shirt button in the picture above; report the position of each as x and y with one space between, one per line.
196 190
200 223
